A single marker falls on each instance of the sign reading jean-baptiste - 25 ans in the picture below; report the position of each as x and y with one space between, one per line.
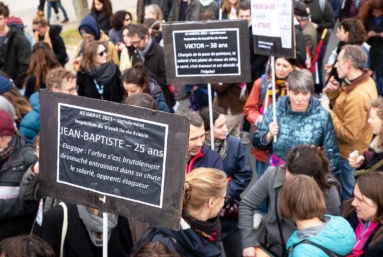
119 158
207 52
273 29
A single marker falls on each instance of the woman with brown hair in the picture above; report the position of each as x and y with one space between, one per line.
229 9
374 156
25 246
42 61
98 77
102 11
318 234
273 234
10 92
43 32
365 214
371 15
199 233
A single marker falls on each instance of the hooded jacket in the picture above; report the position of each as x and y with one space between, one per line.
103 21
188 242
335 235
314 126
158 95
15 56
30 124
101 37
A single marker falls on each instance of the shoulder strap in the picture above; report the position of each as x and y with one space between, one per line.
64 229
322 4
327 251
278 221
263 90
376 166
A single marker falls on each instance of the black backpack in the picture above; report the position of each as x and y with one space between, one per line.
327 251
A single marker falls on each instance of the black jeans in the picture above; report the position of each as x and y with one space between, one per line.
232 244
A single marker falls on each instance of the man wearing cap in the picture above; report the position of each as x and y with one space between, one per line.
301 13
90 31
16 156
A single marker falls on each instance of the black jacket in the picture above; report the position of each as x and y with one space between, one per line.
102 20
15 56
257 61
112 92
58 45
300 46
77 242
155 64
16 215
376 43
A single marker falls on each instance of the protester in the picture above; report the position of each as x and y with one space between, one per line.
98 77
42 61
228 9
136 81
164 6
199 234
25 246
16 52
258 101
300 44
84 232
302 159
300 120
349 32
126 50
154 249
185 10
257 64
308 29
58 80
351 104
8 107
117 21
374 155
303 201
236 165
371 15
153 11
198 154
364 212
10 92
16 156
142 100
90 31
101 11
154 27
232 98
51 36
152 55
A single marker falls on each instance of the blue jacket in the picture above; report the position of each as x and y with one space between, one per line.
335 235
313 126
158 95
30 124
91 22
209 159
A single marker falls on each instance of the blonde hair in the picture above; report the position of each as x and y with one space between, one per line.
201 185
40 19
378 106
155 9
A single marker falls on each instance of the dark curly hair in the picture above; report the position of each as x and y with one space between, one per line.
117 19
365 12
355 28
106 8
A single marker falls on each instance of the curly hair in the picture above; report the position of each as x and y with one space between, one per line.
378 106
357 34
365 12
117 19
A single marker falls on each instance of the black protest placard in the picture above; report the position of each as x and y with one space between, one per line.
113 157
273 28
207 52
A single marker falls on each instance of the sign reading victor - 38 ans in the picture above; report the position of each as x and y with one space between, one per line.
113 157
207 52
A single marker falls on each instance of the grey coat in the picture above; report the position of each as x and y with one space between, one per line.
193 11
265 188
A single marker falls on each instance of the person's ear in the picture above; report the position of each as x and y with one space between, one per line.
211 202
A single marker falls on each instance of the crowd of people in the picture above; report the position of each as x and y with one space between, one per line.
318 157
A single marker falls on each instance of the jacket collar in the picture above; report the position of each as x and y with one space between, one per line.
349 88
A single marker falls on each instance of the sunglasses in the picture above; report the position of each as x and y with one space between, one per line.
102 53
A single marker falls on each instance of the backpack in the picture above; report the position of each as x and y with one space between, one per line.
148 237
16 22
327 251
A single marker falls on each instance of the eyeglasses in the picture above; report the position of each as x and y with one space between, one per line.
71 90
102 53
136 42
226 197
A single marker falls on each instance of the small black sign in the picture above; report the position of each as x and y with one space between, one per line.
207 52
112 154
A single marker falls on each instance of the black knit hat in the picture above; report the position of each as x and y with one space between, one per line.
301 10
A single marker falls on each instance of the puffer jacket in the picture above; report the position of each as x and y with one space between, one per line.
30 124
314 126
16 215
335 234
158 95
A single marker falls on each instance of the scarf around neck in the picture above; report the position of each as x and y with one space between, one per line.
104 73
7 152
220 146
208 231
280 87
94 224
143 53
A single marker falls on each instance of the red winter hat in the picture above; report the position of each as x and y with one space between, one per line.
6 123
